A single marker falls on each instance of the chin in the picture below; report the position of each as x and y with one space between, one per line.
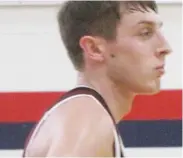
147 92
152 92
150 89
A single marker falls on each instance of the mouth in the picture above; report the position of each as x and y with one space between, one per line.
160 70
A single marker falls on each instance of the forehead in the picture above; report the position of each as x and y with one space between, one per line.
137 17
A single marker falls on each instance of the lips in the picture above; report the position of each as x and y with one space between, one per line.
161 70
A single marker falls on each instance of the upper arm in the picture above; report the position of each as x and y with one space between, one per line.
83 131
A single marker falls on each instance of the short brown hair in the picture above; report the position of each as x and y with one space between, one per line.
79 18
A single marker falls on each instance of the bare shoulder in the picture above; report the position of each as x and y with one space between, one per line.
80 127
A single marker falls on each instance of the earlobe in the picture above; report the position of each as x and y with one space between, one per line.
97 55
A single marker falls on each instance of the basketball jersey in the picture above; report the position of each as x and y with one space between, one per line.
77 92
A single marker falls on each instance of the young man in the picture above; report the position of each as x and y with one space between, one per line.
119 51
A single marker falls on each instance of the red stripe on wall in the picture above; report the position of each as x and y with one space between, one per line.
166 105
29 106
26 106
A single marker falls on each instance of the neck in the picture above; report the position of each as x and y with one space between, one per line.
117 97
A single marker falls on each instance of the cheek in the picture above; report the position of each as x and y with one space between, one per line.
136 59
130 55
140 53
133 53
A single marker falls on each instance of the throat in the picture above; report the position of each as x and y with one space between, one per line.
118 99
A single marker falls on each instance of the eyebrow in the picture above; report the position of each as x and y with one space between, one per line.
159 24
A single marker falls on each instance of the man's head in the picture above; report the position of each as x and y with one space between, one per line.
122 37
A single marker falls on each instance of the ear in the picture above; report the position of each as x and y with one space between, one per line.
92 47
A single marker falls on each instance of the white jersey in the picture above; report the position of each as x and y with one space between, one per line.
80 92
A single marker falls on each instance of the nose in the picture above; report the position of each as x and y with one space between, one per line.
164 47
163 51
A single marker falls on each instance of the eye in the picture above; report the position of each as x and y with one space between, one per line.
146 33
